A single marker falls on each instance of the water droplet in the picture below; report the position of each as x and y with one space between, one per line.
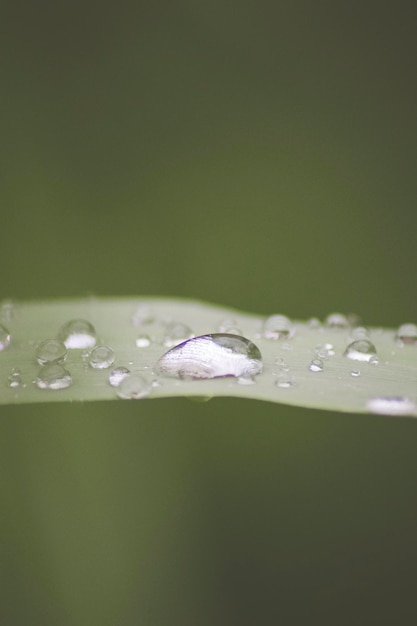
14 379
51 351
359 332
7 310
53 376
406 335
280 366
143 341
78 334
283 381
391 405
278 327
314 323
316 365
101 357
355 373
246 380
143 315
133 387
5 338
230 327
175 333
336 321
361 350
373 360
117 375
212 356
325 351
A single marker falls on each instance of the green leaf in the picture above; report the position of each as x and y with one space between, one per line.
339 383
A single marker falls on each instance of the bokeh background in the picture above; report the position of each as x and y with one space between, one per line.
260 155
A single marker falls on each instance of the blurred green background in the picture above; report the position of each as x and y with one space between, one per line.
260 155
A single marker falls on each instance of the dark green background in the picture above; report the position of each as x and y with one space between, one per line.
257 154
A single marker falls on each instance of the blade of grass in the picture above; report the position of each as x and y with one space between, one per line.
342 385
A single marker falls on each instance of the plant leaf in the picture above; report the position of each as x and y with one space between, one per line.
338 383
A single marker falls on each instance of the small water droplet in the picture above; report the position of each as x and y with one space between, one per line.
5 338
101 357
355 373
14 379
230 327
212 356
279 366
283 381
359 332
51 351
314 323
360 350
391 405
325 351
133 387
7 310
373 360
277 327
143 315
316 365
143 341
175 333
336 321
53 377
406 335
246 380
78 334
117 375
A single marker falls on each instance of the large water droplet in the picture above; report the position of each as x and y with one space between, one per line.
407 335
53 377
101 357
78 334
117 375
14 379
212 356
277 327
51 351
391 405
175 333
133 387
5 338
361 350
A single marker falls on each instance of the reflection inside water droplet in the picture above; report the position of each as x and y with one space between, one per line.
78 334
212 356
53 377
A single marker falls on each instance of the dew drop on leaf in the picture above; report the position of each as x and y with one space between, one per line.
361 350
212 356
316 365
175 333
5 338
117 375
391 405
51 351
133 387
53 377
406 335
143 341
101 357
78 334
337 321
14 379
277 327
